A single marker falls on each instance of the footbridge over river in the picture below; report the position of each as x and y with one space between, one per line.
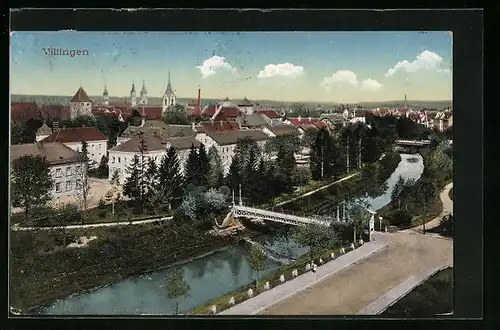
290 219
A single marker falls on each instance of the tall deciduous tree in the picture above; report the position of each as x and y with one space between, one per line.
83 180
114 194
17 129
31 182
216 175
170 177
317 238
323 154
177 288
136 185
257 261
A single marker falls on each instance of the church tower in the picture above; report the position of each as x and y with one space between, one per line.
133 100
105 97
168 99
144 93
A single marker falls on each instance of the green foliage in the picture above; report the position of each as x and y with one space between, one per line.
326 157
256 259
176 116
31 182
203 169
67 213
316 238
233 178
170 180
192 166
177 287
215 174
17 130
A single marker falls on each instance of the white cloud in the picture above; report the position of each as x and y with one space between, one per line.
282 69
427 60
339 79
370 85
212 64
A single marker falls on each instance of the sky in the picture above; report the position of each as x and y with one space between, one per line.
344 67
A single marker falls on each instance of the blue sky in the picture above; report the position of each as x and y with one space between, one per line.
287 66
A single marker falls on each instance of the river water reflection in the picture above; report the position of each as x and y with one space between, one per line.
209 277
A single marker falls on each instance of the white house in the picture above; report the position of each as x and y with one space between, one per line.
97 143
121 156
246 107
157 126
43 132
225 142
66 166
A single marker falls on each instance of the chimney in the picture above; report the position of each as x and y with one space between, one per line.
199 108
309 118
143 117
300 118
192 126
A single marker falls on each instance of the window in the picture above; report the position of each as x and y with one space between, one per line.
78 184
99 146
119 160
68 185
68 171
113 159
58 172
58 187
92 155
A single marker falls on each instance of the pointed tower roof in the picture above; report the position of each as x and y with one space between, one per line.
246 102
143 90
81 96
169 90
226 99
44 129
105 91
133 88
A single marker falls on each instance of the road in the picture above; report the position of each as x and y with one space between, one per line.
352 289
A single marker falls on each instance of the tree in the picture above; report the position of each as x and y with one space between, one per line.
31 182
285 164
114 194
322 155
177 287
151 179
177 116
398 190
17 129
170 177
257 261
233 178
203 166
103 169
250 176
192 166
135 186
215 175
358 218
83 180
316 237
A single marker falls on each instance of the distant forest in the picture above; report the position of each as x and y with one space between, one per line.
46 99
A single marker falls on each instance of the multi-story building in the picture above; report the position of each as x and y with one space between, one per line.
97 143
80 104
66 166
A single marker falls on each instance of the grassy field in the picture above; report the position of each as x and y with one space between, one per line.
435 296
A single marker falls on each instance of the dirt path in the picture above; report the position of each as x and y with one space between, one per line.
354 288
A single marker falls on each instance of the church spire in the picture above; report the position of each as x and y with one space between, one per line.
143 90
169 86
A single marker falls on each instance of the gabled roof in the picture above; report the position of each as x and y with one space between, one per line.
303 122
156 142
334 118
220 126
152 113
161 128
44 130
81 96
55 153
25 110
209 111
225 138
271 114
253 120
76 134
55 111
281 130
245 102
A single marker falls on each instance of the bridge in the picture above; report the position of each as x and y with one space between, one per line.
413 143
290 219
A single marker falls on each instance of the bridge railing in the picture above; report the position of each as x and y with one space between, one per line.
270 215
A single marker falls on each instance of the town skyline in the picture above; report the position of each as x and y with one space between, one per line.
288 67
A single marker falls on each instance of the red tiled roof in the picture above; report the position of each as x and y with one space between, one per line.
302 122
220 126
152 113
81 96
319 123
78 134
209 111
25 110
271 114
414 116
53 111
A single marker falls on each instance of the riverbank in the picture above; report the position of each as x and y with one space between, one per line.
41 271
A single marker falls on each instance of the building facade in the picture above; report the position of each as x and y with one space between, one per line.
80 105
67 169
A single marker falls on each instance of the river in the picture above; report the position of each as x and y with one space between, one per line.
209 277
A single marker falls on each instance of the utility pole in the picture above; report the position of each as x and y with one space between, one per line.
233 197
241 201
338 214
359 153
343 211
347 165
322 155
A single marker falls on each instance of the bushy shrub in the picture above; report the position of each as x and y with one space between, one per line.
102 204
399 218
